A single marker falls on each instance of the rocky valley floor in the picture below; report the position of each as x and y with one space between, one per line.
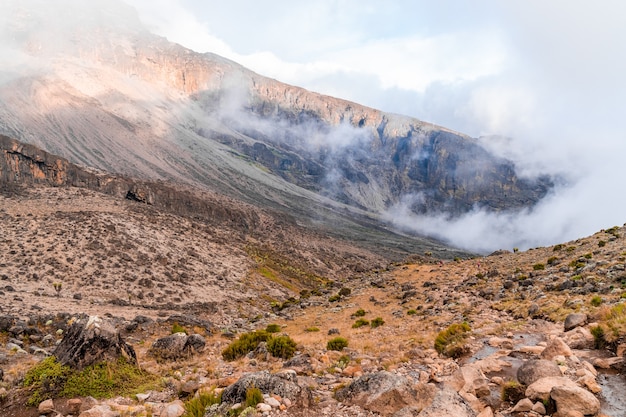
546 311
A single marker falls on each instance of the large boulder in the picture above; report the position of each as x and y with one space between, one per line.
535 369
177 346
575 399
284 384
385 393
92 340
579 338
541 388
446 403
574 320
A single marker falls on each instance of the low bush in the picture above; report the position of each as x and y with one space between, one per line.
246 343
49 379
512 392
272 328
539 267
411 312
196 407
360 323
177 328
312 329
552 260
334 298
451 341
254 396
359 313
281 347
377 322
345 291
596 301
337 343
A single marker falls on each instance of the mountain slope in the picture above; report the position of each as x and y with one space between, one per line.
106 93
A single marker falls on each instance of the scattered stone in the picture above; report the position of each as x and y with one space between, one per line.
46 407
575 399
73 405
448 402
535 369
539 408
263 407
556 347
90 341
173 409
177 346
540 389
579 338
523 406
574 320
101 410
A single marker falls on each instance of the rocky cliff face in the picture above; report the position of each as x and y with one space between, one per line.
108 94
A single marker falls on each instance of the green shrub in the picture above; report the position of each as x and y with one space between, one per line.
601 243
552 260
558 247
359 313
196 407
254 396
377 322
272 328
337 343
512 392
334 298
576 264
312 329
451 341
345 291
360 323
588 255
411 312
596 300
539 267
598 337
49 379
281 347
177 328
246 343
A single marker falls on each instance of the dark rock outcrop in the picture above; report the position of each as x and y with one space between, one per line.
574 320
92 340
283 383
177 346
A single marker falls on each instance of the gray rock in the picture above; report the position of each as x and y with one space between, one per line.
535 369
448 402
574 320
284 384
385 393
92 340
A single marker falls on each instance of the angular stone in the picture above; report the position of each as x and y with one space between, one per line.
448 403
540 389
556 347
46 407
574 320
523 406
575 399
284 384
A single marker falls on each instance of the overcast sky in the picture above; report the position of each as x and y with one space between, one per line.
547 74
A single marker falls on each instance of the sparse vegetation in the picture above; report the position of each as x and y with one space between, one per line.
359 313
539 267
611 325
312 329
360 323
246 343
596 301
49 379
272 328
177 328
337 343
411 312
451 341
377 322
196 406
281 347
512 392
552 260
558 247
254 396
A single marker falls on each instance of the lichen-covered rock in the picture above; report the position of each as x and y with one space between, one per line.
284 384
177 345
385 393
448 402
92 340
